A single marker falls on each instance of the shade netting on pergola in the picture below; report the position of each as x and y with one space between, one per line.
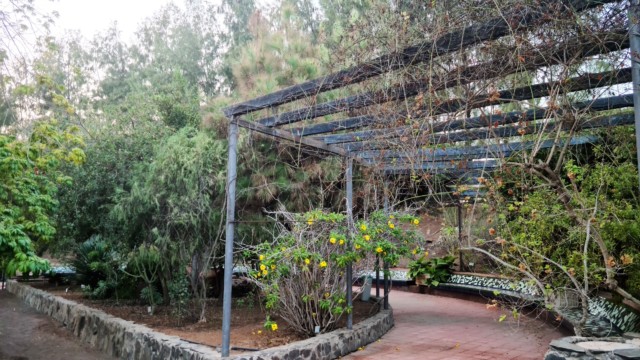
543 74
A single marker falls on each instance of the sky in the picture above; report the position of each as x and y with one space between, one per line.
93 16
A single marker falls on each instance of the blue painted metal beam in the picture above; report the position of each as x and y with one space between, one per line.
485 133
454 153
583 82
517 19
230 235
350 230
334 126
615 102
634 38
443 167
400 166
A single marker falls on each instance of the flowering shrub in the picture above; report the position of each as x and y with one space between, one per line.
302 272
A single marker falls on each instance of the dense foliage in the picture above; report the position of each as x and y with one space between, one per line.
301 271
29 178
129 181
535 227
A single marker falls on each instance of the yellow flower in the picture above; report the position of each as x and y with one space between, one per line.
265 272
391 217
283 248
310 221
307 261
357 247
323 264
327 295
332 240
259 332
363 227
273 267
378 249
261 257
263 267
367 237
415 251
274 327
341 241
391 226
416 222
426 253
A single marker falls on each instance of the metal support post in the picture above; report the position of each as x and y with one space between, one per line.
460 233
228 247
386 266
386 285
350 226
377 276
634 42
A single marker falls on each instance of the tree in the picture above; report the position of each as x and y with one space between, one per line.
29 178
22 28
176 204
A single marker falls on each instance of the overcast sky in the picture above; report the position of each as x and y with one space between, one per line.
92 16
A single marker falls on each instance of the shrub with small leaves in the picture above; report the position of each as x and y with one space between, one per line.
179 296
301 273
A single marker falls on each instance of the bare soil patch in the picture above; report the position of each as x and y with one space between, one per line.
248 317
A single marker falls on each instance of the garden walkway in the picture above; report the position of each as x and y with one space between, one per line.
26 334
436 327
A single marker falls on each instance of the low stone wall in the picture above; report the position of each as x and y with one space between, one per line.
331 345
583 348
111 335
127 340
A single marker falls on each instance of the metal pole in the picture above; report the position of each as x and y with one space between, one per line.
386 266
228 247
634 42
377 276
460 232
385 195
386 285
349 176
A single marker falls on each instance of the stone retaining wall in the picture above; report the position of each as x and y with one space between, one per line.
127 340
613 348
331 345
605 317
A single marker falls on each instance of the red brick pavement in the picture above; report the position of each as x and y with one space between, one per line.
436 327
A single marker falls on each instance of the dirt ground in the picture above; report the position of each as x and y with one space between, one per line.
28 335
247 331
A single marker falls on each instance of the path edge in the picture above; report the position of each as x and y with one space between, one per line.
127 340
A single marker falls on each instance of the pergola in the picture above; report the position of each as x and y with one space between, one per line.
371 139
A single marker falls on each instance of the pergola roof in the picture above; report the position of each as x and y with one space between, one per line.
377 140
435 138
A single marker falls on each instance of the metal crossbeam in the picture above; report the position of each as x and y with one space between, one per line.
583 82
469 152
518 19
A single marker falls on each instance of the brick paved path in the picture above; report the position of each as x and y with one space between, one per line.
435 327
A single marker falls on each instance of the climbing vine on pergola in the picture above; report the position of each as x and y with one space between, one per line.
523 76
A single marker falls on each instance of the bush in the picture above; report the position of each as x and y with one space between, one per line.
150 295
92 262
179 296
434 270
302 272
